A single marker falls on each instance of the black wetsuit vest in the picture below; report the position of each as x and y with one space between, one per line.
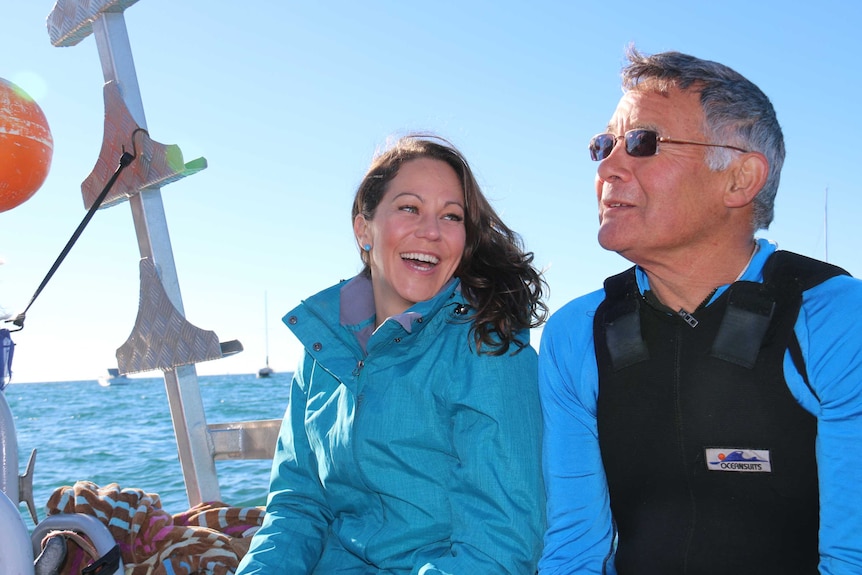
709 459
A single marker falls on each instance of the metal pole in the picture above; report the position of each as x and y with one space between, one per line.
187 412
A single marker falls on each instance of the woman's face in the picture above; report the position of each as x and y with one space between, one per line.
417 235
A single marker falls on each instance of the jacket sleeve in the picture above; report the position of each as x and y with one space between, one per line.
580 534
497 497
291 538
831 340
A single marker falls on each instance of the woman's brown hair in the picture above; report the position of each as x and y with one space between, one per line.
497 275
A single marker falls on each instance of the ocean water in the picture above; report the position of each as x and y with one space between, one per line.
123 434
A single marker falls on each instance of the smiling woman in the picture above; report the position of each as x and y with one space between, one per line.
504 287
412 437
416 238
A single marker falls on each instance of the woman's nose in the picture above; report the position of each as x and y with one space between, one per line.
429 227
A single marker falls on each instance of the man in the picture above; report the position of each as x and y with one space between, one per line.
703 411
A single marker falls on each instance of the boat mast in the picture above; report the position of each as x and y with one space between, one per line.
266 327
826 224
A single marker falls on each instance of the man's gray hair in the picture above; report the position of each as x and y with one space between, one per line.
737 113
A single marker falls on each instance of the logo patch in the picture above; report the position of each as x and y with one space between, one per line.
733 459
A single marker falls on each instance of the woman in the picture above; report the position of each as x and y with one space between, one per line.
411 442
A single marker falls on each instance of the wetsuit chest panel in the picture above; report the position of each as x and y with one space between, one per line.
710 460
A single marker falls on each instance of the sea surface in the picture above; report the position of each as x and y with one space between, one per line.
123 434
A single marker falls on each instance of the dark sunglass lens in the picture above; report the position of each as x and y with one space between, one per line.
641 143
601 146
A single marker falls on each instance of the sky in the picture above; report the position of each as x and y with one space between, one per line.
288 102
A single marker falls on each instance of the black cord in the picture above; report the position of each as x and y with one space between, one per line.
125 160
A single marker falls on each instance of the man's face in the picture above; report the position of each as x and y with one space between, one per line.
663 208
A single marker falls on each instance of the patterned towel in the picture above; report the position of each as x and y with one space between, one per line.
210 538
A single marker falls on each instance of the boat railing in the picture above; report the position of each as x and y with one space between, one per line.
244 439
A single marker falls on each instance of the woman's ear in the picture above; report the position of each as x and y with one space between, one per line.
748 177
360 230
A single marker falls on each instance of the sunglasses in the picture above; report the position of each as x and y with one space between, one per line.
640 144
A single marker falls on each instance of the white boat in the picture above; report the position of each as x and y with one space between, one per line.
161 340
113 377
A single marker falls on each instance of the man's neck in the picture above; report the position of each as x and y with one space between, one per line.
686 285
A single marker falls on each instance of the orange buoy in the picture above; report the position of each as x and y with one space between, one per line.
26 146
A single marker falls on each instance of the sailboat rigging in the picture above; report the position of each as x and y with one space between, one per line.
266 370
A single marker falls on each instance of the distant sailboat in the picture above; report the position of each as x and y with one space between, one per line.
265 371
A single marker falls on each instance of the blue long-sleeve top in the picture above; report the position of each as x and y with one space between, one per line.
402 450
580 533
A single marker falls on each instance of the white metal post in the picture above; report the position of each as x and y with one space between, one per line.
187 412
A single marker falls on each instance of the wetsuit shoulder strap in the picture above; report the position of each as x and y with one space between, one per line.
617 321
802 272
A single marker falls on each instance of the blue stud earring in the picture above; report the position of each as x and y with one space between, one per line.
367 247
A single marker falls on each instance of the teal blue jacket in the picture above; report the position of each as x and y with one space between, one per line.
403 451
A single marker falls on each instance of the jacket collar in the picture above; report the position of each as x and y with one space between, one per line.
347 310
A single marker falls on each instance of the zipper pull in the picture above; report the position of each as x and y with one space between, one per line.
687 317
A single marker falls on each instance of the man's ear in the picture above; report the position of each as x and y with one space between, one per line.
748 176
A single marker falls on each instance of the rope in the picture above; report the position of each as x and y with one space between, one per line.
125 160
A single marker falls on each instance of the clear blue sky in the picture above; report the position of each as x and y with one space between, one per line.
288 101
